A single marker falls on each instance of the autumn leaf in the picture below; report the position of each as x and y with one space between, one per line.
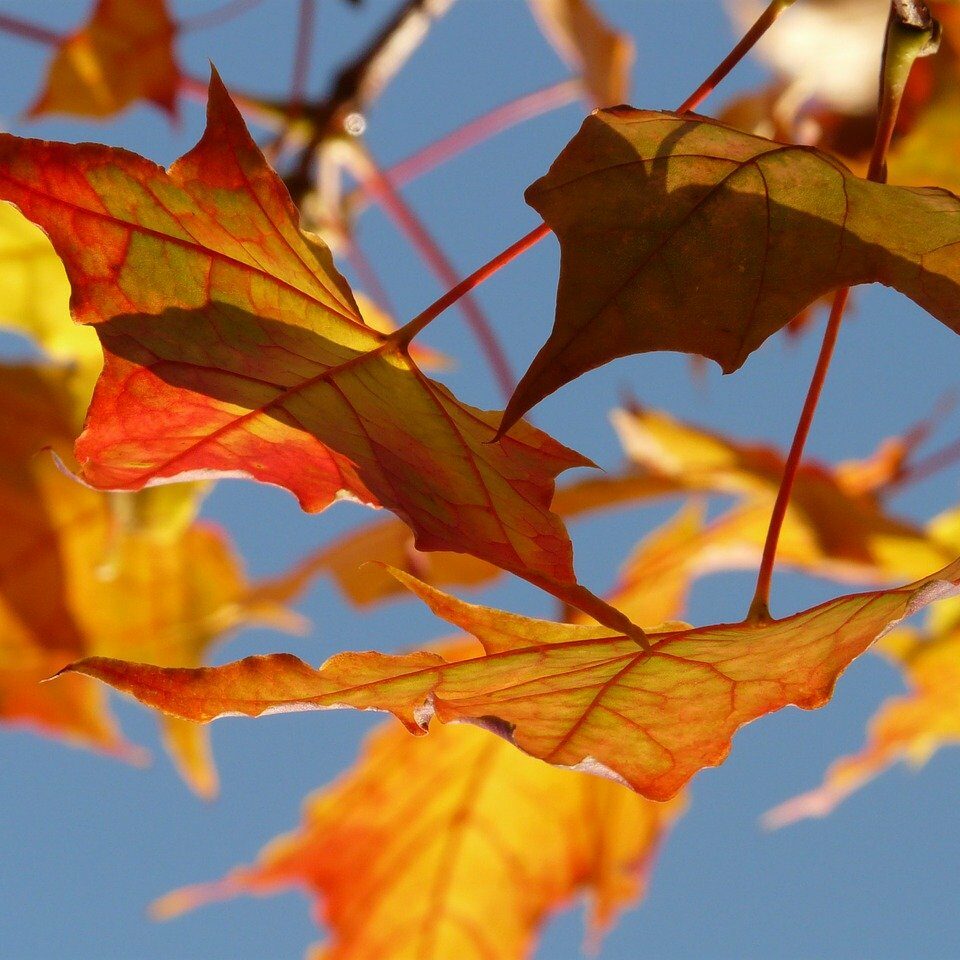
602 57
678 233
575 695
453 845
233 346
497 839
122 54
83 572
836 525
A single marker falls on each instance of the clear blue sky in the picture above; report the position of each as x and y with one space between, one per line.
86 843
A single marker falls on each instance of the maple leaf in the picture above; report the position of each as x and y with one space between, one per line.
575 695
836 524
122 54
678 233
233 346
453 845
601 56
495 838
87 572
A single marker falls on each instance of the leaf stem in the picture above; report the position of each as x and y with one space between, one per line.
29 31
904 43
375 182
217 16
759 606
408 331
747 41
306 17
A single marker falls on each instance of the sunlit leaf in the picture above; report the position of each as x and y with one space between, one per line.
678 233
233 346
574 695
453 845
122 54
498 838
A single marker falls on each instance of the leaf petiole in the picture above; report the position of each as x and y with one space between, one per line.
747 41
903 45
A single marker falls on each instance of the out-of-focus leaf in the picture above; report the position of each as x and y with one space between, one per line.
678 233
835 526
233 346
453 845
573 695
84 572
122 54
600 55
36 294
827 51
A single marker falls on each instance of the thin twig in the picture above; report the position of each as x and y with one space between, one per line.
219 15
306 17
476 131
759 28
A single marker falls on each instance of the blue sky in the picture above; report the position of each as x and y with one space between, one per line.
86 842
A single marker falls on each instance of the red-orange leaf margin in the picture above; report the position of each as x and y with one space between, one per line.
234 347
572 694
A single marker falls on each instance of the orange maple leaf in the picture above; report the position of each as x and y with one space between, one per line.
233 346
122 54
574 695
85 572
453 845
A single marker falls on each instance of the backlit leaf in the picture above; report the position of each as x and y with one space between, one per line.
453 845
574 695
498 839
123 53
678 233
234 347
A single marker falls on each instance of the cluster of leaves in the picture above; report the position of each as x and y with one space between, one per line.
233 346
